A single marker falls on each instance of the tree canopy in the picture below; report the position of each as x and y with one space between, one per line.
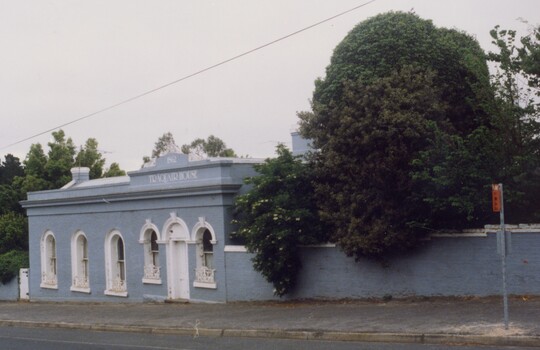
53 170
211 147
407 138
386 43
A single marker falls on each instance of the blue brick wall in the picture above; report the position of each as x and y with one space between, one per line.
443 266
10 290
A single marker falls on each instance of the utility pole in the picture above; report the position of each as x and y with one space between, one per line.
503 241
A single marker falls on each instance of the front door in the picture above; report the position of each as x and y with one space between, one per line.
178 277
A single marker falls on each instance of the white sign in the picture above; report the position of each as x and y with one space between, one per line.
172 177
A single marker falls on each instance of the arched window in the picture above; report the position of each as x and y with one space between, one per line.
48 261
79 263
115 265
152 269
205 272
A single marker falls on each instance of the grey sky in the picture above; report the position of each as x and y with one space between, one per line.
61 60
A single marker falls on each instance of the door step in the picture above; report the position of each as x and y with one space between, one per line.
177 301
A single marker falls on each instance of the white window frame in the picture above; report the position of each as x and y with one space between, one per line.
204 275
49 261
80 269
115 268
152 266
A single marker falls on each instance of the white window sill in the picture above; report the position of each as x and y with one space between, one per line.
151 281
116 294
48 286
204 285
80 290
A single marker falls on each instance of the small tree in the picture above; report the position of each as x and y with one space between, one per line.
89 156
277 216
114 170
60 159
211 147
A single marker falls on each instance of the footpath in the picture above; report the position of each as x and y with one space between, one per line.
433 320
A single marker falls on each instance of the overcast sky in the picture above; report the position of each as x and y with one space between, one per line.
61 60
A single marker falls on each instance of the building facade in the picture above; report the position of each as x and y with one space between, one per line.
157 233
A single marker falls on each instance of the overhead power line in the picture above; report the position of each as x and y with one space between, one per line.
188 76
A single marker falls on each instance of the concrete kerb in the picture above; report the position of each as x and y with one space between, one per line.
523 341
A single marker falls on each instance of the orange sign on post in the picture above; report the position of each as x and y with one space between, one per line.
496 198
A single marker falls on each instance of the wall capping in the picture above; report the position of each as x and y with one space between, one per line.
235 249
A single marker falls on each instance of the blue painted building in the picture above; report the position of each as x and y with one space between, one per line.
158 233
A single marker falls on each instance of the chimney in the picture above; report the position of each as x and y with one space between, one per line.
80 174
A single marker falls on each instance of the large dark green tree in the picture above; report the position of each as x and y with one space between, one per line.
10 168
277 216
9 196
396 88
13 245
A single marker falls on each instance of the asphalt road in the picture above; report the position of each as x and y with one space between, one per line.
14 338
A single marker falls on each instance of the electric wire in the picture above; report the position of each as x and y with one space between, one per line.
188 76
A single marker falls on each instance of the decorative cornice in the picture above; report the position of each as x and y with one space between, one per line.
221 189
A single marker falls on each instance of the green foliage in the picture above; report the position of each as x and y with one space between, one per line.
9 169
388 42
402 106
90 157
278 215
13 232
60 159
516 122
114 170
211 147
10 263
9 199
161 145
363 182
35 161
53 170
529 55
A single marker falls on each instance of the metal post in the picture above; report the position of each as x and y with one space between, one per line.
503 251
